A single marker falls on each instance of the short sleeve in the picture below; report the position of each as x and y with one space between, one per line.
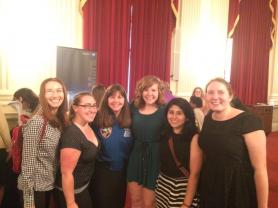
250 123
71 138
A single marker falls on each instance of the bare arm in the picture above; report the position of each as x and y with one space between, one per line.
195 164
69 158
256 145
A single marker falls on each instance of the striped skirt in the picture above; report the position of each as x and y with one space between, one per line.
170 192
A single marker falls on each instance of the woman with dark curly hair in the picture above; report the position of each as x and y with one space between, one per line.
177 185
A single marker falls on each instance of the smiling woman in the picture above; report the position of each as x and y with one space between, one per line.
181 158
108 186
147 124
234 144
78 151
40 141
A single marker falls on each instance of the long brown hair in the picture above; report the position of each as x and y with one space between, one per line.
98 91
106 117
198 88
143 84
60 118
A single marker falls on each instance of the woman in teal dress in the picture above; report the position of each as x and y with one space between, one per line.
147 124
234 171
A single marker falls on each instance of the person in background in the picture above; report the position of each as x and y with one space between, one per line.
41 135
28 100
147 124
234 172
25 102
5 145
167 92
78 152
176 188
108 186
98 91
198 92
196 104
236 103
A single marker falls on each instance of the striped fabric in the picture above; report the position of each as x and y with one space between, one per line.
170 192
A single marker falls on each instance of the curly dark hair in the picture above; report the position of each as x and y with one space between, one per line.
189 127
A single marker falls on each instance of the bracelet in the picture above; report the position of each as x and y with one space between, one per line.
186 205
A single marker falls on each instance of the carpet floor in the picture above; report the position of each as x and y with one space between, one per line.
272 166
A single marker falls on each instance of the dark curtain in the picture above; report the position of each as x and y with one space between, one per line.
153 22
251 47
110 29
106 29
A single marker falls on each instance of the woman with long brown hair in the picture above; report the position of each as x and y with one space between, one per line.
113 131
41 136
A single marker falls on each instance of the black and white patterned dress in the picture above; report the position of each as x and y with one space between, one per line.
171 183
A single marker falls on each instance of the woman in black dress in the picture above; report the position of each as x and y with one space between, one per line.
234 173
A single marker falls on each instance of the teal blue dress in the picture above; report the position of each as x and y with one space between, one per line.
143 166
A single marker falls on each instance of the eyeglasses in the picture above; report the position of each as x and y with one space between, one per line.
88 106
